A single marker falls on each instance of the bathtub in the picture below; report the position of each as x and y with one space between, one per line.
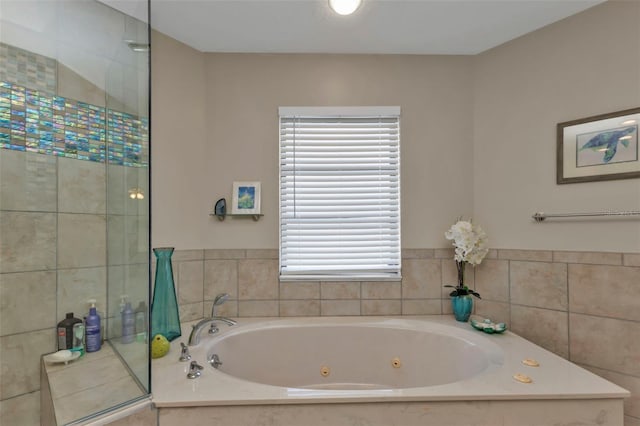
378 371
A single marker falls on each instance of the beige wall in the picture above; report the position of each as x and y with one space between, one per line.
180 191
478 133
243 93
586 65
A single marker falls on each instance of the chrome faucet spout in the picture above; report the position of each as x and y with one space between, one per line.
194 337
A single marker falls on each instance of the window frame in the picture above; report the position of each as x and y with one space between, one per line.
336 113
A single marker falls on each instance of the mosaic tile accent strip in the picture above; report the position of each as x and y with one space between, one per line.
27 69
127 139
35 121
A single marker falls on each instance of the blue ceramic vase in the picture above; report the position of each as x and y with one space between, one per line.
165 318
462 307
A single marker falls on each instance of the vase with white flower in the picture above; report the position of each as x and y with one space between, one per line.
470 243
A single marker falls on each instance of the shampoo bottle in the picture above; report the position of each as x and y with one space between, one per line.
65 331
142 324
93 328
128 323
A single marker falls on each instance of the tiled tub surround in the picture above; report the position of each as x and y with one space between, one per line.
581 302
53 256
560 393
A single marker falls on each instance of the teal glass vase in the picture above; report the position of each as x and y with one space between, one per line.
462 307
165 318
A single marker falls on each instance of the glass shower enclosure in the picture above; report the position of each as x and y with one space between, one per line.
74 203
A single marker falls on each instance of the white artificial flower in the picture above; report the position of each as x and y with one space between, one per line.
469 240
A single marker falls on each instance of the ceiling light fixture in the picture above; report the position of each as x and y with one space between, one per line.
344 7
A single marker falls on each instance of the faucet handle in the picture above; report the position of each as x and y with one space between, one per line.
194 370
214 360
184 354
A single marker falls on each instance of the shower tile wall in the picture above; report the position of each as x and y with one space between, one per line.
54 214
567 302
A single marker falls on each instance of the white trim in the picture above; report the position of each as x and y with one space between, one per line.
343 111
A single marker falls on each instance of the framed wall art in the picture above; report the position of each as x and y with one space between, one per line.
602 147
246 198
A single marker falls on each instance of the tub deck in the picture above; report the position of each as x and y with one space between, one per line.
559 392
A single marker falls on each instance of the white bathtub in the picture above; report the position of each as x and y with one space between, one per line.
359 355
383 371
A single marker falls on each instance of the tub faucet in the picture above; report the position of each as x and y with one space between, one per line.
194 337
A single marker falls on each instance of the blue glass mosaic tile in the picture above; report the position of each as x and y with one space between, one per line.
34 121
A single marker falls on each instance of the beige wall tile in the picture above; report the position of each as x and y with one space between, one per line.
71 85
340 290
23 410
220 276
81 240
492 280
604 290
540 284
299 308
421 279
127 239
77 286
630 383
20 361
605 343
180 255
258 279
447 309
227 309
258 308
20 290
631 259
531 255
339 307
27 181
418 253
381 307
492 254
262 253
381 290
190 311
598 258
28 241
631 421
446 253
190 281
450 276
224 254
495 311
299 290
543 327
82 186
121 179
421 307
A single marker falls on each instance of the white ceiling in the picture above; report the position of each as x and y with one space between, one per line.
379 26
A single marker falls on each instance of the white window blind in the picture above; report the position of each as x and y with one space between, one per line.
340 193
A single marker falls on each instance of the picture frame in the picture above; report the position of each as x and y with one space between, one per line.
246 198
598 148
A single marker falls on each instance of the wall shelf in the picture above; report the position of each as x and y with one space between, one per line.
221 217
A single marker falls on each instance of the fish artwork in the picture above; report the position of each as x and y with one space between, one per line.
608 142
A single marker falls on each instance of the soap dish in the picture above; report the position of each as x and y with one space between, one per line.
488 327
64 355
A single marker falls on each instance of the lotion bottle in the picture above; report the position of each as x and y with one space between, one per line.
128 323
93 328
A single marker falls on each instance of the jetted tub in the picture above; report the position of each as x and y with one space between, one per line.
370 354
377 371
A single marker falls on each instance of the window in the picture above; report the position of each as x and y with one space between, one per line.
339 193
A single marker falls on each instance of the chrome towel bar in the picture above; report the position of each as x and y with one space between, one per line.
540 216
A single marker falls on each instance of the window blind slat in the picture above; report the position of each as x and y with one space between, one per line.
339 196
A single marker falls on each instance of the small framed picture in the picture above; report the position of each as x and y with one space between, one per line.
602 147
246 198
